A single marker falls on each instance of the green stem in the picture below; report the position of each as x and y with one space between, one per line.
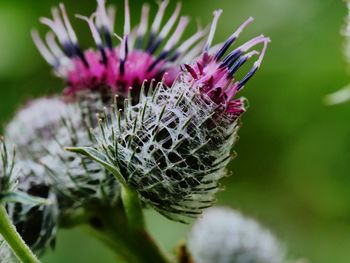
14 240
134 245
133 208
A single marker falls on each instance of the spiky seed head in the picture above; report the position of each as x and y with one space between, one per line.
225 236
115 68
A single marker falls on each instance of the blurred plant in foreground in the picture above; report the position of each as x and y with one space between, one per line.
343 95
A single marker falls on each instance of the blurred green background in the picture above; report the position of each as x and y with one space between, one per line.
292 170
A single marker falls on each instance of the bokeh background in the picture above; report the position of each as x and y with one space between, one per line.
292 170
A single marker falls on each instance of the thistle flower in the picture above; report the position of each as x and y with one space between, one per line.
215 77
173 146
225 236
113 68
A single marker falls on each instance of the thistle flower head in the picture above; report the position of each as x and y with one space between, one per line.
167 148
112 67
173 146
225 236
215 75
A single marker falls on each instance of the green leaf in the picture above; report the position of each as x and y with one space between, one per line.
95 155
23 198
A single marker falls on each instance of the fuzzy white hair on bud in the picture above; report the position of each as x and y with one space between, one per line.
171 148
34 125
52 124
77 179
225 236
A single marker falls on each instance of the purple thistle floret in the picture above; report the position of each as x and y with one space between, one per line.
136 59
214 75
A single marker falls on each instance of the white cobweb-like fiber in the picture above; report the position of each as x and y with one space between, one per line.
6 255
225 236
41 130
172 148
34 125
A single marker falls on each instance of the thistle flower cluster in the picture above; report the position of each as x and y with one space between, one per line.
168 135
225 236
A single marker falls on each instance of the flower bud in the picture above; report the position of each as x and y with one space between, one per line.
222 235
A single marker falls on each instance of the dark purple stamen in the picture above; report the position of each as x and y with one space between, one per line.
231 58
175 56
247 77
81 55
155 46
239 63
103 54
224 48
73 50
69 49
150 40
139 42
162 56
122 67
106 35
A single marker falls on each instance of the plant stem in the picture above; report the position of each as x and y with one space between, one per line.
133 208
134 245
14 240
